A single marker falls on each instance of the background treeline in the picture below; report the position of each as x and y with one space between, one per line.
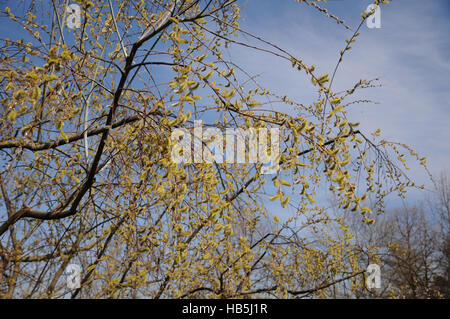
411 245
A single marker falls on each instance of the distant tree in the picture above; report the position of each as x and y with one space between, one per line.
411 255
411 245
440 204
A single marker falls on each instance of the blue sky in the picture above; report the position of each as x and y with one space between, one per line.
409 53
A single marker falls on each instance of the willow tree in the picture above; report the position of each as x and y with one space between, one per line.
87 178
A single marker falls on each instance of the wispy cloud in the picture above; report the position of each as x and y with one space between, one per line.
410 55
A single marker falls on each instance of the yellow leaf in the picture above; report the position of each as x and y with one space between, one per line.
64 136
285 183
208 75
311 199
275 197
91 267
285 201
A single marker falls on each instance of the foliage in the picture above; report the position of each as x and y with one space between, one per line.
86 177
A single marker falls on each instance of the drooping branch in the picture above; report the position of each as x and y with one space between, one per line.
303 292
39 146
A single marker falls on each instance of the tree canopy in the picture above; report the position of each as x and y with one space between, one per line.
87 178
